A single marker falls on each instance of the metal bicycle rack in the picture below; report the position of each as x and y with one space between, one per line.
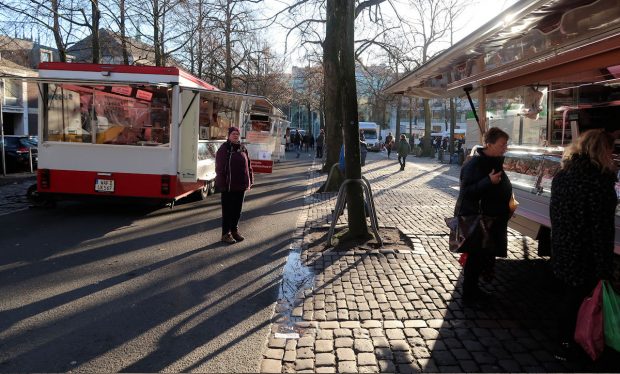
370 203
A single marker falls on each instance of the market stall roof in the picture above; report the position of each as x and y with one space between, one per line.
233 100
530 36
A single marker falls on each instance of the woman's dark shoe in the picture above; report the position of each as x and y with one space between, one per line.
571 352
228 238
562 352
237 236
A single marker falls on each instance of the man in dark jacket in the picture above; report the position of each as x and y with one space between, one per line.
233 177
403 150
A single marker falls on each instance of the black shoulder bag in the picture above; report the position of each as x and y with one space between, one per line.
470 233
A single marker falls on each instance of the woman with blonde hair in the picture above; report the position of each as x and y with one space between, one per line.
582 212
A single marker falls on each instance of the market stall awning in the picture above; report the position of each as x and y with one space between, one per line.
530 42
230 100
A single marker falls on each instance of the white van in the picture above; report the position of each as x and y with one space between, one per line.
371 134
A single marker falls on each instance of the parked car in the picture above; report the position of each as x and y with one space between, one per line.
17 149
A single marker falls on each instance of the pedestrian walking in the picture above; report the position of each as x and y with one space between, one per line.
320 140
484 189
582 213
312 141
363 148
403 150
389 140
233 177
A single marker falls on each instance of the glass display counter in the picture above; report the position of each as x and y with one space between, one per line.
532 169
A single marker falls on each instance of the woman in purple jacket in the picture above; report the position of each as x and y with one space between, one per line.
234 177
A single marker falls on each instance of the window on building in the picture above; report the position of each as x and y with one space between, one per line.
12 92
46 56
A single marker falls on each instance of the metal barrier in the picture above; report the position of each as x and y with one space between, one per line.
370 203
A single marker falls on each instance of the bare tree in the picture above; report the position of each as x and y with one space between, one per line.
52 16
165 20
374 78
306 19
117 13
226 38
96 15
344 16
233 24
433 29
263 75
66 20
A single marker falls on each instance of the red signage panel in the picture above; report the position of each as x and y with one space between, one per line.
262 166
144 95
123 90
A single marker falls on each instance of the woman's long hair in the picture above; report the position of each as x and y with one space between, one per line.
596 144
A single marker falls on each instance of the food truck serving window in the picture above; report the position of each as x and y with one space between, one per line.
124 115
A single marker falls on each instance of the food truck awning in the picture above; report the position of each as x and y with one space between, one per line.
37 79
231 100
530 42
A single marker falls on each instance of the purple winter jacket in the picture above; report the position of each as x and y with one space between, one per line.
232 168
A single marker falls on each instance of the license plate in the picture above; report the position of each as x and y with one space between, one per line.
104 185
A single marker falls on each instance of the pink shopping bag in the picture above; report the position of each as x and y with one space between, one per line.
589 329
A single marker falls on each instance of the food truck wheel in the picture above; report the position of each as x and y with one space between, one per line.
211 185
38 200
202 193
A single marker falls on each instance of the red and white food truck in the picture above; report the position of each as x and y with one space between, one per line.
133 131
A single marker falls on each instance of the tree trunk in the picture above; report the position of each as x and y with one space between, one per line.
333 128
452 125
383 125
156 32
123 33
399 105
427 151
345 11
95 35
62 52
197 61
410 116
322 114
228 52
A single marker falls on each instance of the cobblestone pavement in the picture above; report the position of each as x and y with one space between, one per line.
382 311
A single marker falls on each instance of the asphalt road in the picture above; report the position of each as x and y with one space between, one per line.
120 287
